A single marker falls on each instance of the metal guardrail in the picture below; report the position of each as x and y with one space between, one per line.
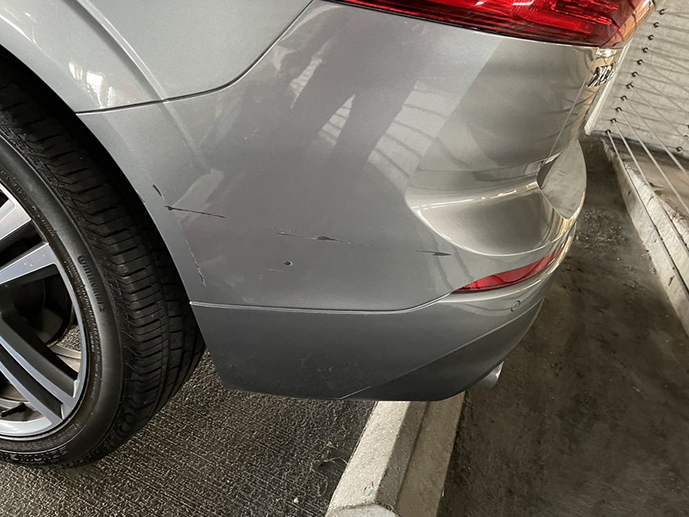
646 111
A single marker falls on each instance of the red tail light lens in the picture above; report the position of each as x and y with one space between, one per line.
510 277
599 23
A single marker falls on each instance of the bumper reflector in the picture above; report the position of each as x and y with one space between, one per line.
511 277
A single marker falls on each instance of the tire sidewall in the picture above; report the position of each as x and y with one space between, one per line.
31 181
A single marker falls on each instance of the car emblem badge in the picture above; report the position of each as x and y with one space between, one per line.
601 75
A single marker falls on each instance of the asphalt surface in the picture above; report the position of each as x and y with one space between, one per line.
591 415
209 452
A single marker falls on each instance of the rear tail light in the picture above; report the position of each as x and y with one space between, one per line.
599 23
511 277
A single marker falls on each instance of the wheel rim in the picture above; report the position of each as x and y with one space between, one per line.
42 339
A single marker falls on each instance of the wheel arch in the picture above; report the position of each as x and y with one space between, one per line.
73 54
154 209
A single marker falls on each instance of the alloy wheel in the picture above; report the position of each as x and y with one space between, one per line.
42 339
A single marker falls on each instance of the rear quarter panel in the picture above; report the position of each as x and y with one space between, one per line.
367 162
98 54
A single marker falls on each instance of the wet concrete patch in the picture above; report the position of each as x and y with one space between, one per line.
591 415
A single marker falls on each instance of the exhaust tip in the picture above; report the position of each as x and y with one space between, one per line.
491 379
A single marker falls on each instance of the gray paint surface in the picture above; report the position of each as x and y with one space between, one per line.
590 414
72 53
366 166
336 355
190 47
210 452
361 142
98 54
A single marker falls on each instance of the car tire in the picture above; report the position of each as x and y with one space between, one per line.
109 280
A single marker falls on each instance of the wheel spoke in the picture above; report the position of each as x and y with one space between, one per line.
12 219
41 400
32 265
40 376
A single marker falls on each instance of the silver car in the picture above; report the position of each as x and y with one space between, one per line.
351 199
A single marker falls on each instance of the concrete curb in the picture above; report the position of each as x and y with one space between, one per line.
662 231
399 467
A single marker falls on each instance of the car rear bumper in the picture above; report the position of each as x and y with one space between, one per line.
426 353
458 370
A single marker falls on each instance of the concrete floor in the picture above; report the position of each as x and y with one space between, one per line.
591 415
209 452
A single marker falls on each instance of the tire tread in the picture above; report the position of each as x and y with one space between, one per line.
157 328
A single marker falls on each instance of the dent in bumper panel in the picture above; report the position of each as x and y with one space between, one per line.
331 354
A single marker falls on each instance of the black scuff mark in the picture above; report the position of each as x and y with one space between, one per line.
322 238
328 239
435 253
290 234
186 241
172 208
